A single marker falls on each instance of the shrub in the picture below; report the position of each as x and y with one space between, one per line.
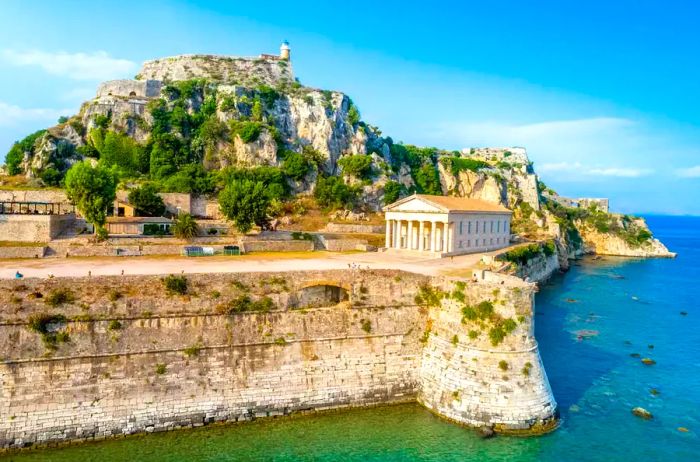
280 341
39 322
429 296
244 303
114 324
359 165
393 191
455 340
114 295
333 193
192 350
161 369
526 368
459 164
146 201
473 334
428 180
521 255
503 365
175 284
366 325
295 166
247 131
184 226
59 296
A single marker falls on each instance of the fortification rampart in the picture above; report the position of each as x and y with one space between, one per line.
227 69
120 355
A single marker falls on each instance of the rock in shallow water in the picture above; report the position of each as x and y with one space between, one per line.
642 413
648 361
486 431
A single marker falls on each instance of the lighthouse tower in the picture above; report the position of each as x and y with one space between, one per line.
284 51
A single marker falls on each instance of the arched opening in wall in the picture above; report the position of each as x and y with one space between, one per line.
133 93
319 296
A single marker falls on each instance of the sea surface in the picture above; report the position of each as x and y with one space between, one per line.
589 322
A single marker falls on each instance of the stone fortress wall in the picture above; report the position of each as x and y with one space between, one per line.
138 359
130 88
268 70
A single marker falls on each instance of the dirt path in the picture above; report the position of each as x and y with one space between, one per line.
257 262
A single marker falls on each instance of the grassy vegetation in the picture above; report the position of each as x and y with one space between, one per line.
59 296
244 303
175 285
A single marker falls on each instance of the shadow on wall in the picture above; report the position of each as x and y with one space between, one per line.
318 296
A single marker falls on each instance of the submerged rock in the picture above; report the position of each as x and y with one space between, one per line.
684 313
635 355
648 361
486 431
642 413
683 430
654 392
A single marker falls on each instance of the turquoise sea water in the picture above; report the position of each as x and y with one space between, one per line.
629 306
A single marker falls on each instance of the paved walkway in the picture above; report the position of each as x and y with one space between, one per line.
256 262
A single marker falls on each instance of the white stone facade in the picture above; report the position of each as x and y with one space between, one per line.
446 226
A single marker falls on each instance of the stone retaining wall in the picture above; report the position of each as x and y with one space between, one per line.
140 359
22 252
354 228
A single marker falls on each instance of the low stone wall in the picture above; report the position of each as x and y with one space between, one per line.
33 228
277 246
22 252
342 245
354 228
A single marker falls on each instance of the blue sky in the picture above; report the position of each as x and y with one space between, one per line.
603 94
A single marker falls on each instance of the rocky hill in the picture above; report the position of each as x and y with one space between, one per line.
190 123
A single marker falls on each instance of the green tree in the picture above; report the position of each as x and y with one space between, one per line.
184 226
15 156
51 177
359 166
256 113
245 203
121 150
295 166
392 192
92 190
146 201
334 193
428 180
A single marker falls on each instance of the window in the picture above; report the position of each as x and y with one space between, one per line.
469 242
498 226
492 226
461 244
461 231
491 241
469 227
477 227
483 228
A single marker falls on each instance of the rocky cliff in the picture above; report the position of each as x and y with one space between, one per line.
195 116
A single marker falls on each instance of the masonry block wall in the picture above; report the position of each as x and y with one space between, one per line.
121 355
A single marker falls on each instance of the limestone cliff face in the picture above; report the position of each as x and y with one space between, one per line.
611 244
508 179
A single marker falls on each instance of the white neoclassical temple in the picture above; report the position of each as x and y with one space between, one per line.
445 226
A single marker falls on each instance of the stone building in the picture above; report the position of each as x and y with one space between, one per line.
444 226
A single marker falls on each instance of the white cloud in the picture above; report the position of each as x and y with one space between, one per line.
98 65
621 172
11 115
690 172
580 169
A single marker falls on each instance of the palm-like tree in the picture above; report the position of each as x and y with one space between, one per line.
185 227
